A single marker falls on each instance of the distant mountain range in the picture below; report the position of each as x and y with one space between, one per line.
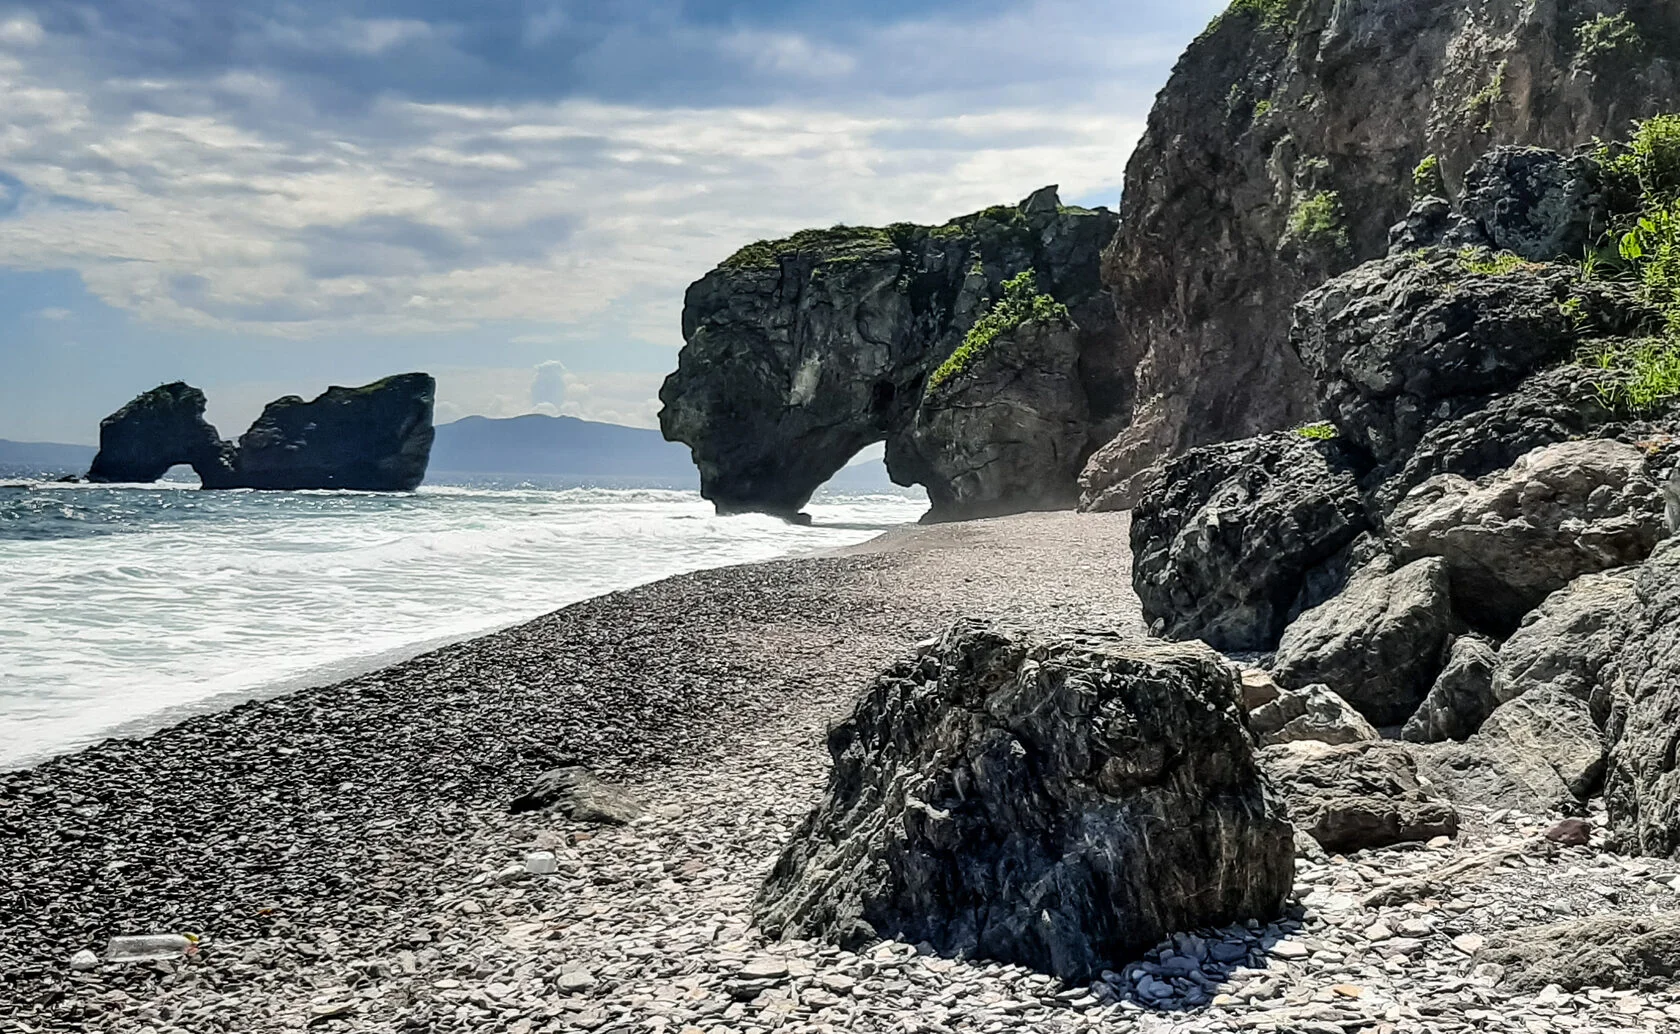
531 445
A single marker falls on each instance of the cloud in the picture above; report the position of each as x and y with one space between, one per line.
290 171
55 314
614 397
548 387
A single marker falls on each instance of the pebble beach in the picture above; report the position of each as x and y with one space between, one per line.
347 858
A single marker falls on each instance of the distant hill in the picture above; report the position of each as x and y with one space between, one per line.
18 459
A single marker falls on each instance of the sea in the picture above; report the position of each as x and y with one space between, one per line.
126 608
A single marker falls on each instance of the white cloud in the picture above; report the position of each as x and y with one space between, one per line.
613 397
20 31
53 314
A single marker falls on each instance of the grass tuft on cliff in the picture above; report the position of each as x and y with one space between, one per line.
1482 262
1318 431
1022 301
836 241
1316 220
1273 14
1427 179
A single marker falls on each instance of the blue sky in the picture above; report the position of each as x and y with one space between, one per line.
264 197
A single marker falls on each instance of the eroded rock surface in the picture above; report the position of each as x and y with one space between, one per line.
1599 951
1642 791
1567 642
1312 713
1358 795
1058 800
1380 643
1513 538
1462 696
1008 432
157 430
1231 541
801 352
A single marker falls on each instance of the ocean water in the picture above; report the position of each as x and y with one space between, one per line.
123 608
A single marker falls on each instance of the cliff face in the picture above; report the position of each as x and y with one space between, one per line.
1293 134
374 438
801 352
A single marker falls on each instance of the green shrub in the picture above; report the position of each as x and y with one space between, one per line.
1646 372
1607 37
1482 103
1483 262
1645 170
1262 109
836 242
1427 179
1022 301
1316 219
1318 431
1272 13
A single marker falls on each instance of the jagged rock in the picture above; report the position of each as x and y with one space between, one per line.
377 438
579 795
1379 644
1312 713
1061 801
1426 222
1397 346
1231 541
1642 789
1462 696
1258 689
1513 538
1569 639
157 430
803 351
1307 116
1532 202
1541 753
1354 796
1610 951
1009 432
1553 406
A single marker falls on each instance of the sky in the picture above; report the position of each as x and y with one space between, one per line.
263 198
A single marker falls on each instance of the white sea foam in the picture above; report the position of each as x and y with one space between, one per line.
123 608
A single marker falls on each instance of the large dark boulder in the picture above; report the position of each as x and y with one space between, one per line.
1061 801
801 352
375 438
1379 643
1642 789
1005 432
158 430
1399 345
1514 538
1230 542
1532 202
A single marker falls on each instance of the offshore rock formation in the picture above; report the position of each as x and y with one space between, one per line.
1062 801
155 431
375 438
803 351
1283 149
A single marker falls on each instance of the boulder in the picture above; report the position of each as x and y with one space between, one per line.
1230 542
1399 345
1542 753
1313 713
375 438
1379 644
1635 952
1462 696
1061 801
580 795
1567 642
1008 431
1426 222
800 352
1354 796
1642 789
1513 538
157 430
1532 202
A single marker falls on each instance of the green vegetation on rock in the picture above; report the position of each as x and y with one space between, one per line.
1482 103
1316 220
1272 13
1318 431
1262 109
1483 262
1605 38
836 242
1427 179
1022 301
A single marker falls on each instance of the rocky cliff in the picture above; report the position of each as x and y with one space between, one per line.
1293 134
800 352
375 438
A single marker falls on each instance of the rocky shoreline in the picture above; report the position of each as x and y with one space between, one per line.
348 856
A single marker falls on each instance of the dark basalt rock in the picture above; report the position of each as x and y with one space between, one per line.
1379 643
1642 789
803 351
157 430
1462 696
1061 801
1009 432
1539 204
374 438
1230 542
